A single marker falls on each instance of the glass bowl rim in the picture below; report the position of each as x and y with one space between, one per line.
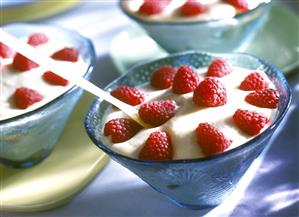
97 101
92 57
172 23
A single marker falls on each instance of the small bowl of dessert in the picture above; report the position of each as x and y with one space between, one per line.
36 103
211 116
211 25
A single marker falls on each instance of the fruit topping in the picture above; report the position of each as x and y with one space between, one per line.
157 147
6 52
121 129
241 5
22 63
25 97
66 54
219 68
157 112
267 98
152 7
185 80
163 77
129 95
54 79
210 92
254 81
211 140
37 39
250 122
192 8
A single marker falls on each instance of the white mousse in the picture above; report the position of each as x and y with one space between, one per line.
217 10
188 115
12 79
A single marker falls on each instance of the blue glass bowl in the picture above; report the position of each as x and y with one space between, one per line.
224 35
29 138
195 183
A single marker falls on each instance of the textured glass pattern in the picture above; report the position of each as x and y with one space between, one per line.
27 139
201 182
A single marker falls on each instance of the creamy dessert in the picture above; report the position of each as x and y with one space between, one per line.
25 85
193 113
188 10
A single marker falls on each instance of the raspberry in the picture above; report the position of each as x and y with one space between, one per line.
25 97
210 92
121 129
37 39
219 68
6 52
157 112
254 81
211 140
22 63
54 79
162 78
129 95
241 5
250 122
66 54
192 8
267 98
185 80
152 7
157 147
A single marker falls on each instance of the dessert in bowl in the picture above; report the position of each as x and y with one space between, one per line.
198 176
214 26
35 103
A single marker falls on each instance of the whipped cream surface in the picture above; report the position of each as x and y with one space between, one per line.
11 79
181 127
217 10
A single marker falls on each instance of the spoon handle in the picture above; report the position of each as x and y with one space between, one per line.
50 64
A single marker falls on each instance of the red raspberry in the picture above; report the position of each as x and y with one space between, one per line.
250 122
219 68
54 79
163 77
254 81
152 7
157 147
22 63
37 39
192 8
185 80
25 97
157 112
129 95
6 52
211 140
241 5
267 98
66 54
121 129
210 92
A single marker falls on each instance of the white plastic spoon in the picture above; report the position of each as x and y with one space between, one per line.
51 65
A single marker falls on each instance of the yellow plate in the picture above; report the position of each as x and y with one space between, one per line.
36 10
74 162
